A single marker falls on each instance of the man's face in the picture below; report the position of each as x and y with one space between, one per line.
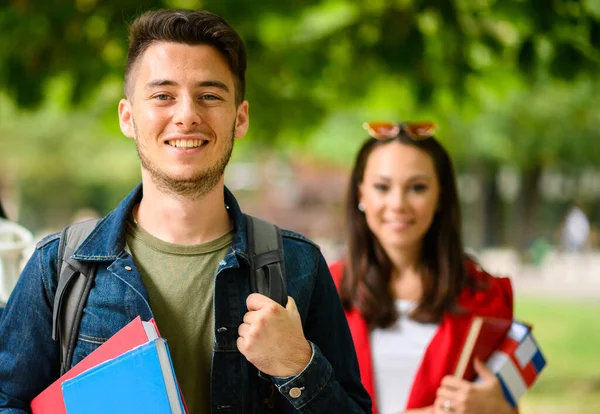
182 114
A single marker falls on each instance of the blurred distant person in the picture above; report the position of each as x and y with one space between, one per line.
575 230
407 285
14 240
176 249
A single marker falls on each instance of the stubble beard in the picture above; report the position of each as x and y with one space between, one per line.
193 187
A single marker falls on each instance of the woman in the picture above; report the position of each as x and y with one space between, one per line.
407 286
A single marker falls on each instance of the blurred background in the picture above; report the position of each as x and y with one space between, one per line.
513 85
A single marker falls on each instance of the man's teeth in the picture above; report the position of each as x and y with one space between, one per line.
186 143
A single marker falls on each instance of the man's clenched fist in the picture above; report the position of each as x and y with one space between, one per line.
271 337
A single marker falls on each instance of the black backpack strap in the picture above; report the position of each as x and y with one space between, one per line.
75 279
265 249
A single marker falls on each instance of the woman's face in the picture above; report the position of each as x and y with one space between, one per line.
400 193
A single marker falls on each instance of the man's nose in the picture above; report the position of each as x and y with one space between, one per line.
187 114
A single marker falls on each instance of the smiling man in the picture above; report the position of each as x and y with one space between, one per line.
176 249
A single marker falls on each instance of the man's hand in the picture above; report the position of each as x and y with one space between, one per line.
458 396
271 337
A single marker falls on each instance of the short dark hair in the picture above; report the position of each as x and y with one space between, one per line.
191 27
367 271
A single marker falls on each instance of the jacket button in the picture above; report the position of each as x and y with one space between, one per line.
295 392
127 267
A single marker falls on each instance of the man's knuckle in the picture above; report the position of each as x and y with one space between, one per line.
259 324
273 308
253 333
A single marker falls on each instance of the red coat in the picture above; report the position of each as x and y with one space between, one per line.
444 348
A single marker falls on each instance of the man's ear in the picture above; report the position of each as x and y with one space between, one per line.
242 121
126 118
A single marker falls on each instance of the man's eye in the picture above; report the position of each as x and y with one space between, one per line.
162 97
210 98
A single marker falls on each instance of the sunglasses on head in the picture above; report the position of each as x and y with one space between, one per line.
416 131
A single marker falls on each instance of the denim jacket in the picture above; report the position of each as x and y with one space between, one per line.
330 383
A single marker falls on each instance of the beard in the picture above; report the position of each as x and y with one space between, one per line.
193 187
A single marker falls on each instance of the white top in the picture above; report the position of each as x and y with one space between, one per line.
397 352
14 239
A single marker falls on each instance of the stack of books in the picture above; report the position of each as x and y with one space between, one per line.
130 372
509 351
517 362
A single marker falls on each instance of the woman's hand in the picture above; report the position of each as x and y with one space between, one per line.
458 396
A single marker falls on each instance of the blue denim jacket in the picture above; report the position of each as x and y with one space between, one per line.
29 358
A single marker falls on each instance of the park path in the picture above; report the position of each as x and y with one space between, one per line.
559 275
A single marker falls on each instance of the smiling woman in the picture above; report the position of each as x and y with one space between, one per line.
406 284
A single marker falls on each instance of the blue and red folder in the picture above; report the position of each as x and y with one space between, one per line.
130 372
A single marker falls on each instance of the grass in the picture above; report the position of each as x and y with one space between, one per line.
569 335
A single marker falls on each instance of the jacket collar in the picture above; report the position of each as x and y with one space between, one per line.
107 240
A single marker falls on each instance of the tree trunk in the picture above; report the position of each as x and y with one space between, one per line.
493 219
527 224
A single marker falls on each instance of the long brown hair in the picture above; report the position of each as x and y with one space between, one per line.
367 272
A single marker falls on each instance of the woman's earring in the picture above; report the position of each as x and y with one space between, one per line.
361 207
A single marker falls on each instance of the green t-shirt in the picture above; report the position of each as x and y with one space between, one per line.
180 284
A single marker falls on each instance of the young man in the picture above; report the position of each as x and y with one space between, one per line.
176 249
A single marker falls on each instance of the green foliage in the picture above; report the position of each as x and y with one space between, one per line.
308 57
509 81
552 125
41 39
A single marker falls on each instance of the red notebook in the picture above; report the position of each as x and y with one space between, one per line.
135 333
483 337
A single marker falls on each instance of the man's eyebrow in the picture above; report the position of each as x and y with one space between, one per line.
213 84
160 82
204 84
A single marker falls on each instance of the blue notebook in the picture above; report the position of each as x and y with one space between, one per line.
141 380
